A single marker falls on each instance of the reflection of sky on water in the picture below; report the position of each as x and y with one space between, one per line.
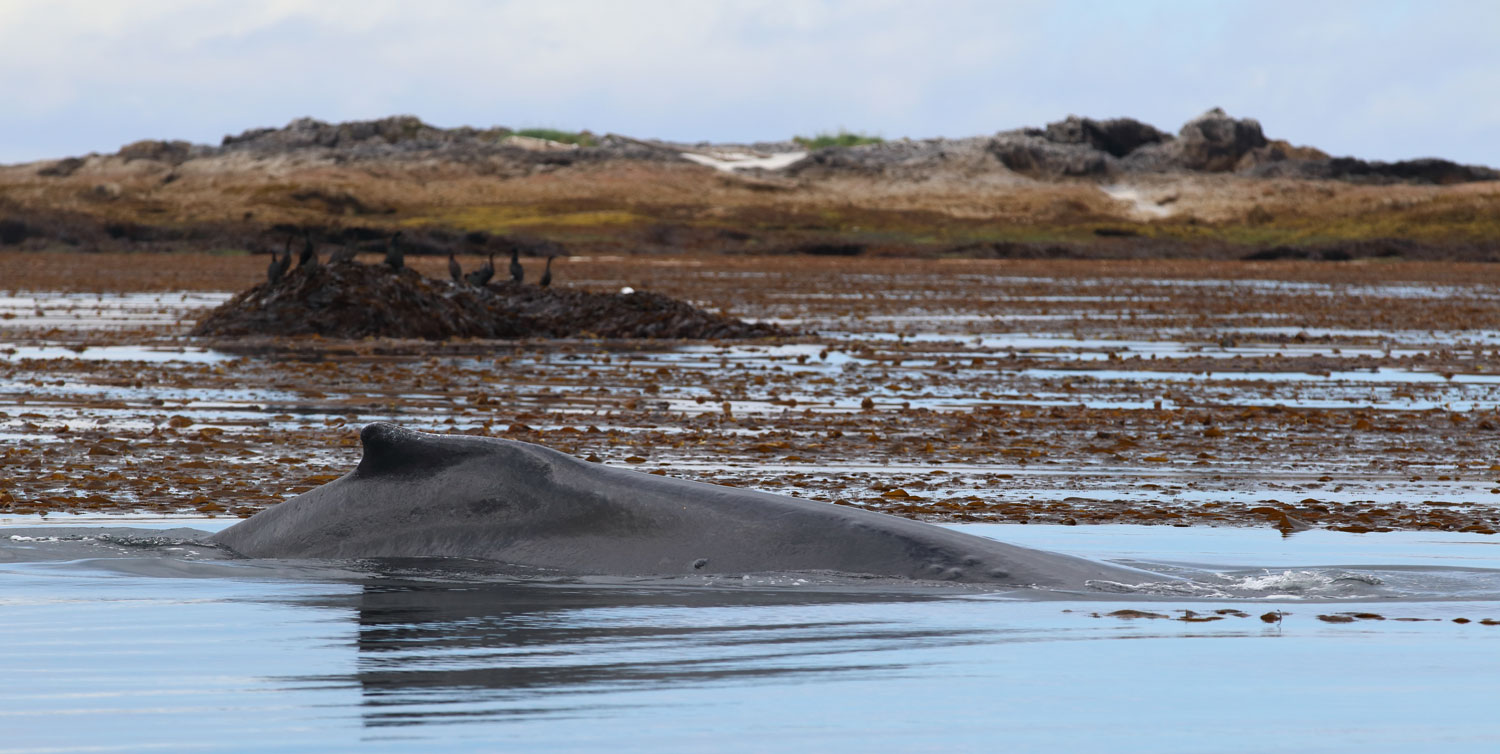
103 311
140 654
112 353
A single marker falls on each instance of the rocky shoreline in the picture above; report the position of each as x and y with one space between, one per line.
1219 188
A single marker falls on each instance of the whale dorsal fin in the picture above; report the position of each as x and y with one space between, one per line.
390 450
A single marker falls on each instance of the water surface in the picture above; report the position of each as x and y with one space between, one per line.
142 645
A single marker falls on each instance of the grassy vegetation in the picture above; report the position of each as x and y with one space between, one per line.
841 139
532 218
581 138
1471 219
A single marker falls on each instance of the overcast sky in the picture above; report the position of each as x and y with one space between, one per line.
1381 80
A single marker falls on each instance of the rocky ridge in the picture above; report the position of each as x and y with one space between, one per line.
400 138
1073 148
1084 148
1217 188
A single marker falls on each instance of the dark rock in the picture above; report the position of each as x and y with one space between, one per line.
1432 170
62 168
831 249
304 133
1423 171
405 137
1277 252
1215 142
1343 251
127 231
1039 157
13 232
1117 136
351 300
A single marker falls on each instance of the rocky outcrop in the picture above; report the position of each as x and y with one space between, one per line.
305 133
1072 148
905 159
1116 136
1084 148
1423 171
1214 142
405 137
61 168
1041 157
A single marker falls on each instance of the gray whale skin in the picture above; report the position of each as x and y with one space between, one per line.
424 495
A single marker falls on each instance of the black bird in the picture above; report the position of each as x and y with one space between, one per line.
279 264
546 275
454 271
393 255
481 276
345 254
517 273
309 257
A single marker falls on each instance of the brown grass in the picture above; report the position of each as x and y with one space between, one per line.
624 201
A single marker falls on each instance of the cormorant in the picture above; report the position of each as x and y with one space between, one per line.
309 257
393 256
279 264
454 271
517 274
480 277
546 275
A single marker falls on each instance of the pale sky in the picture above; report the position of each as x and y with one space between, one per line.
1380 80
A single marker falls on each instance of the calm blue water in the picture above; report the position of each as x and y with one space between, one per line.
115 645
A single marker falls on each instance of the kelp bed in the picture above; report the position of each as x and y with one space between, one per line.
1357 396
353 300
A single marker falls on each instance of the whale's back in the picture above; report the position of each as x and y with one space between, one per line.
422 495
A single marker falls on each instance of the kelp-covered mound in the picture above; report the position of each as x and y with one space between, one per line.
351 300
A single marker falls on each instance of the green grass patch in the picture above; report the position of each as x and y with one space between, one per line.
508 218
841 139
581 138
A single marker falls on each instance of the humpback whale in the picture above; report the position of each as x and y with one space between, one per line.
420 495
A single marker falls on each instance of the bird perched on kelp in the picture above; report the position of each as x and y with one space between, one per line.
309 257
393 256
279 264
480 277
454 270
546 275
517 273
